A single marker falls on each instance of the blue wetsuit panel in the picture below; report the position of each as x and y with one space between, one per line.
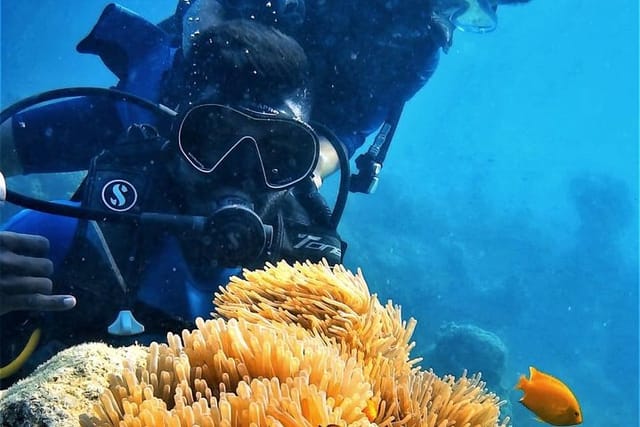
138 52
64 136
60 230
169 286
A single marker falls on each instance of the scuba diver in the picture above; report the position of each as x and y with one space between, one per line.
367 59
168 212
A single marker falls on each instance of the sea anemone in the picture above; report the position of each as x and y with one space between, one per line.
301 345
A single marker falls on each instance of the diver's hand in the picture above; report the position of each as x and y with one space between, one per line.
25 272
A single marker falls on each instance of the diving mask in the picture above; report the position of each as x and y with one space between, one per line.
476 16
286 149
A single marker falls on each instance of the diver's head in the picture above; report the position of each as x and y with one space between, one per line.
478 16
241 139
243 63
244 110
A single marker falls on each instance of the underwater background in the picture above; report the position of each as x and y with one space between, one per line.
506 219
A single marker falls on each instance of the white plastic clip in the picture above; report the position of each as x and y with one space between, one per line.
125 324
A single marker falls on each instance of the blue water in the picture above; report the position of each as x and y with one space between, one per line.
509 199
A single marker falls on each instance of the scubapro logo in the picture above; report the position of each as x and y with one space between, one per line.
119 195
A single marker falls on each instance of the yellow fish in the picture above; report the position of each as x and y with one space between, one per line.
371 410
549 398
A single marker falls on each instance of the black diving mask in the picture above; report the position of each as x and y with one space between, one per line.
286 149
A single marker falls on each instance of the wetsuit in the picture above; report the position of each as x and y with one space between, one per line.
367 58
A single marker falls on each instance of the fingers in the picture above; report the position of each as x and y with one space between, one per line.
24 255
31 293
25 272
13 285
36 302
25 244
20 265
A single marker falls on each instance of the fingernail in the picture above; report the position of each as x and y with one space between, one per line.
69 301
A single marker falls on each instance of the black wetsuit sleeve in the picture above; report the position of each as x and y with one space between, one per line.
65 135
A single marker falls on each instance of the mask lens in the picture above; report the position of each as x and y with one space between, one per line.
206 135
288 152
477 16
286 149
